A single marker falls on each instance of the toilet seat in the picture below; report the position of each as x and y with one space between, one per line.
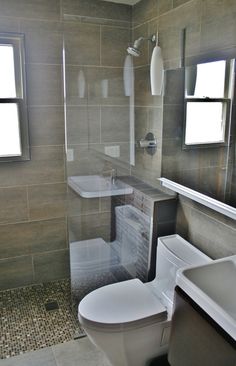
121 305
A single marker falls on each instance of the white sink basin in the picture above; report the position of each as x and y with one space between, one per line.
91 186
212 287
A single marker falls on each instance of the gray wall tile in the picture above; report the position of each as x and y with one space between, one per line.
144 11
46 166
44 84
82 46
142 31
83 125
43 41
32 237
81 206
101 9
114 43
94 77
213 233
15 272
13 206
114 124
42 9
177 3
46 126
86 227
40 358
47 201
51 266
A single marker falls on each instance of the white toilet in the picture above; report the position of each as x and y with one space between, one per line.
130 321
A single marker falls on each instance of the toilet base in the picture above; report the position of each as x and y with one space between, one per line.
133 347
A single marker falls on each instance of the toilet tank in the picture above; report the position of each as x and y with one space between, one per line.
174 252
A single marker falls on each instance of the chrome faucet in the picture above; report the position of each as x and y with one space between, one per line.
113 176
110 174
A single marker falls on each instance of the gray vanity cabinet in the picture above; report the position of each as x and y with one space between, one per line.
196 339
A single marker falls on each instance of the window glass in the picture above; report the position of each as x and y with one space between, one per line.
204 123
210 80
10 144
7 72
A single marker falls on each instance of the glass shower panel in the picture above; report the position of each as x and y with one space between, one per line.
109 239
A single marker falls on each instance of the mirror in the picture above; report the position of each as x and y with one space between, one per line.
199 125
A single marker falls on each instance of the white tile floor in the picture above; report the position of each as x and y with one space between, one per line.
74 353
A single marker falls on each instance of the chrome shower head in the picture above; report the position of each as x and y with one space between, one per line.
134 50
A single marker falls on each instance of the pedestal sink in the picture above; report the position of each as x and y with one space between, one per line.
212 287
92 186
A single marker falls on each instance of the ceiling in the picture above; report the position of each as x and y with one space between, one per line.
128 2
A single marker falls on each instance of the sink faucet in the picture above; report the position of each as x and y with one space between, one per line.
113 176
110 174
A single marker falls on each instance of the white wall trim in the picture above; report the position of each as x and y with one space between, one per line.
212 203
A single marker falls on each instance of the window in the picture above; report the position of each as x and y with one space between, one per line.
208 93
14 140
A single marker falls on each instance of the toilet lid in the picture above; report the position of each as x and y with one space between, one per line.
120 304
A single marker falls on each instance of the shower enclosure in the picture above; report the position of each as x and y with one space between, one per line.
108 237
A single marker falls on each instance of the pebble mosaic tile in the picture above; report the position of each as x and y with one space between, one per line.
25 323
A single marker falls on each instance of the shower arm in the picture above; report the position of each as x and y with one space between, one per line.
138 41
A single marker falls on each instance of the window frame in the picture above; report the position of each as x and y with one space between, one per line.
226 101
17 40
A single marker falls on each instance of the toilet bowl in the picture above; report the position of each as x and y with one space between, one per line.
130 321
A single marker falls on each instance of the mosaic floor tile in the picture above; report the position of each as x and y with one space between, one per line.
25 323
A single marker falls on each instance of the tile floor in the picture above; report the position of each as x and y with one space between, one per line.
74 353
26 325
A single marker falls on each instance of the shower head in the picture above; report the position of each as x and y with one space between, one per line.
134 50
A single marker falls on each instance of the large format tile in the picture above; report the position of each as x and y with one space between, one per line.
46 166
95 9
115 124
79 353
82 46
142 31
143 96
78 205
40 9
177 3
85 161
15 272
13 206
215 238
114 43
8 24
51 266
164 6
170 27
214 15
32 237
144 11
90 226
174 81
43 41
46 126
83 125
47 201
44 84
43 357
173 119
103 85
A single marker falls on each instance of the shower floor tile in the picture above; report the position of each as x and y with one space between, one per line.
25 323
